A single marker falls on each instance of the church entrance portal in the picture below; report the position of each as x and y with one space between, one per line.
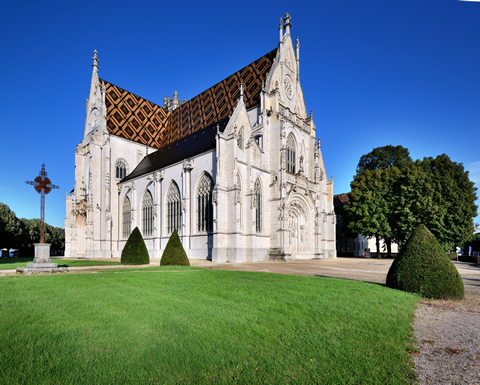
299 229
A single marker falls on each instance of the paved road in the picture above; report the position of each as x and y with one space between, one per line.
359 269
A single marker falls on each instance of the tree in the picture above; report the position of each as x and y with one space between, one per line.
174 253
391 196
374 193
424 268
438 193
135 252
368 210
381 158
10 228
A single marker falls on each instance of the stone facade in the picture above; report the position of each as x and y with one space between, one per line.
259 192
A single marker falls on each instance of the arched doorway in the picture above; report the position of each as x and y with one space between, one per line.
300 229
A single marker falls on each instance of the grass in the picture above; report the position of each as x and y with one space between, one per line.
185 326
13 263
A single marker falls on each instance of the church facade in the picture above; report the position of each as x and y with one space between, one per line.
237 170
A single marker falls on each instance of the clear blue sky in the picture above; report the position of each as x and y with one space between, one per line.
374 72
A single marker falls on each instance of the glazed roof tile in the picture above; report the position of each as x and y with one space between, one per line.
135 118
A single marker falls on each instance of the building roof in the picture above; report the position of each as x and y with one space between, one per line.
185 148
135 118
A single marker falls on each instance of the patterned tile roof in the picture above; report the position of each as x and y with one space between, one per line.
138 119
132 117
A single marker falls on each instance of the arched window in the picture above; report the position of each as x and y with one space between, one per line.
204 204
240 138
126 218
173 209
258 206
291 154
147 214
120 169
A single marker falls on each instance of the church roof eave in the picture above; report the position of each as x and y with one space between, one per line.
192 145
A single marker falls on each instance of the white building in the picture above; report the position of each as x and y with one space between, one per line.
237 169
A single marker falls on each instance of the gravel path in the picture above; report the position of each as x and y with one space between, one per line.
448 336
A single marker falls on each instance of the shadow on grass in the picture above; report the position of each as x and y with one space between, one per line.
10 261
350 279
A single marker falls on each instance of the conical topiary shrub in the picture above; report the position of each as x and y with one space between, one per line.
174 253
423 267
135 252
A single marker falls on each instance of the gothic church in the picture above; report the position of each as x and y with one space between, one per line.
237 170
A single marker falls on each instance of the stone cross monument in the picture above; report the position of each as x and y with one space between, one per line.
41 262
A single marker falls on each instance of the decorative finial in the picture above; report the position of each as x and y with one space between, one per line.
280 29
95 59
241 91
287 25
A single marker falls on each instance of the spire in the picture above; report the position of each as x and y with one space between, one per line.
95 59
95 98
297 47
287 25
280 29
241 92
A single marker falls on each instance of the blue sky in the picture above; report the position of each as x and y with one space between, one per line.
374 72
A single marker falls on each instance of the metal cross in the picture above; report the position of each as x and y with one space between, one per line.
43 186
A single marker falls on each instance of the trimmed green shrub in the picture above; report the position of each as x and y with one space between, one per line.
452 256
135 252
423 267
174 253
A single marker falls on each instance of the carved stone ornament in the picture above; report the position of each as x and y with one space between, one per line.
215 196
187 165
238 196
288 64
288 86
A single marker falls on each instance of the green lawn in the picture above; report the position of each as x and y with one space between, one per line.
186 326
13 263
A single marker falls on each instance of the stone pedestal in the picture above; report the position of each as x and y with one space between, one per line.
41 263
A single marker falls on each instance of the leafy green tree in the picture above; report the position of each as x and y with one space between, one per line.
438 193
368 209
374 193
10 228
381 158
391 195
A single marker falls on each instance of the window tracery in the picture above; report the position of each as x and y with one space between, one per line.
126 218
147 214
173 208
291 154
258 206
120 169
204 204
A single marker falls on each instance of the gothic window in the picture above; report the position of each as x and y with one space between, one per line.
204 204
291 153
259 140
126 218
240 138
258 206
120 169
173 208
147 214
